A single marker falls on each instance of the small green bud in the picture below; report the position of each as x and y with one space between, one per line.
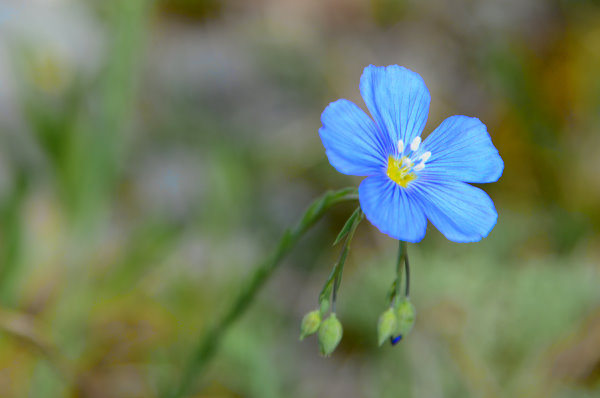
330 334
310 323
405 314
386 326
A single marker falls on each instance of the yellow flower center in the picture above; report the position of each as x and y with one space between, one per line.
401 170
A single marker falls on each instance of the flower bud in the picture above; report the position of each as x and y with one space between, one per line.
405 315
330 334
386 326
310 323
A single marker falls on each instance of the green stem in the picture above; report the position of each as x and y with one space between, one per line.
402 259
407 270
209 342
335 278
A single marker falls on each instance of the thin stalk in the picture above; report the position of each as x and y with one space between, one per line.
334 278
402 258
338 270
339 267
407 270
209 342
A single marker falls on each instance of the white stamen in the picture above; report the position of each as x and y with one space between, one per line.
400 146
419 167
425 157
414 145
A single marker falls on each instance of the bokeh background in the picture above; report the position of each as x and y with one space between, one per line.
152 152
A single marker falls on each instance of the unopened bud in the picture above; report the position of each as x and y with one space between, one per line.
310 323
386 326
330 334
405 315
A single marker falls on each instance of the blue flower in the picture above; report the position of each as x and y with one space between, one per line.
410 180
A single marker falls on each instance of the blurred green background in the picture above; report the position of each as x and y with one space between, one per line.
152 152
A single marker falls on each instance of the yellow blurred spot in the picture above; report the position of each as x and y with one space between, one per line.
48 73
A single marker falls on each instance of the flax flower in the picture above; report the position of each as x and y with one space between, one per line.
410 180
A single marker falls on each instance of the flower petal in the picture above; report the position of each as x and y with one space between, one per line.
462 149
398 99
351 139
463 213
392 209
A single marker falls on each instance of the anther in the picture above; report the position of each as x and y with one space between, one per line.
420 166
414 145
400 147
425 157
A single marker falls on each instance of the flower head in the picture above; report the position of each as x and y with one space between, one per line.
410 180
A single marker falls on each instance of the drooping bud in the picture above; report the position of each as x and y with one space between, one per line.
405 316
330 334
386 326
310 323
